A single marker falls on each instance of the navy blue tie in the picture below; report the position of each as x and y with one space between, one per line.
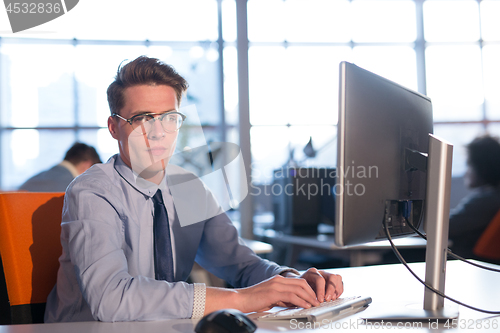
164 263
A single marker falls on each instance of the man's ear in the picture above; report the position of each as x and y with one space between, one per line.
113 127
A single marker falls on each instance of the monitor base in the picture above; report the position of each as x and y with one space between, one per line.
413 313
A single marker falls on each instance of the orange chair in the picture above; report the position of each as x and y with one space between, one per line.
488 245
30 229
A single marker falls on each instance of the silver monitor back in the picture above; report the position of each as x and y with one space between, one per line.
381 127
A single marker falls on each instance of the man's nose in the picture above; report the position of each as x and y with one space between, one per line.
157 130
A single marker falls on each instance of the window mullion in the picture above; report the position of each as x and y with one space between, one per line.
420 45
246 206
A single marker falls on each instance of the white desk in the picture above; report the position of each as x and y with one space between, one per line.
257 246
386 284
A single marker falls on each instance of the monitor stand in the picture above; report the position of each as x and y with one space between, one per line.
437 217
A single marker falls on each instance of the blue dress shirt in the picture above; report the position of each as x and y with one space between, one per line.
106 269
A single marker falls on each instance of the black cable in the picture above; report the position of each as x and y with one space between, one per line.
401 259
456 256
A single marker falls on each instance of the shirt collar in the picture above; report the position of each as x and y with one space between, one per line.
70 167
140 184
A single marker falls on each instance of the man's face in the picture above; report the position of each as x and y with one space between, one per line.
147 154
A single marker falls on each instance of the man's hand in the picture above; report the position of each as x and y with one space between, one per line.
278 291
306 290
327 286
275 291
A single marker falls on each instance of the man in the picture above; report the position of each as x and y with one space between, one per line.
112 268
78 159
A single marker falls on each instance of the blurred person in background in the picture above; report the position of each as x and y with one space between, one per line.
474 212
78 159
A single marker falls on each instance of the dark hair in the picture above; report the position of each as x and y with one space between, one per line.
484 156
80 152
143 71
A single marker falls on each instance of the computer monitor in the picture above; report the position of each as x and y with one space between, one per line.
390 168
380 123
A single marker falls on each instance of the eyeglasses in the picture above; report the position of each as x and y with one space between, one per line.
142 123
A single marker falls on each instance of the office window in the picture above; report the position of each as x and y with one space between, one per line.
454 82
456 22
491 76
231 85
490 25
288 86
383 21
317 21
58 91
293 66
53 91
153 20
266 20
40 89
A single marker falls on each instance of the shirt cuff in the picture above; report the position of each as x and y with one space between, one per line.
199 300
